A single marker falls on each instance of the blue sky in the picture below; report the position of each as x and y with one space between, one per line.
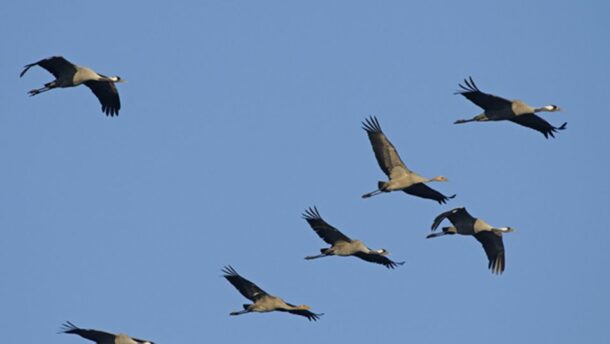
238 115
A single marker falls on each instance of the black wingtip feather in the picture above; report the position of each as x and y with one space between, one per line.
371 125
312 213
392 265
67 327
551 132
470 86
229 271
445 199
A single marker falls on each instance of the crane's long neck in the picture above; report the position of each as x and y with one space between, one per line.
420 179
297 308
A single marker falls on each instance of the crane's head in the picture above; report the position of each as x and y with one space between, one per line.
440 179
550 108
382 251
499 230
117 78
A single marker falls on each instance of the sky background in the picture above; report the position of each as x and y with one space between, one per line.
238 115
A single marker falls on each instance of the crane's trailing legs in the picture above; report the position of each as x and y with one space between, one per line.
372 193
246 310
325 253
47 87
446 230
477 118
381 188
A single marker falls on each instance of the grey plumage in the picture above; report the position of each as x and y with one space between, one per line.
401 177
499 109
68 74
262 301
342 245
490 237
101 337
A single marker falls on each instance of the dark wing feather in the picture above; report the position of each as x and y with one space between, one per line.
248 289
424 191
535 122
440 217
94 335
487 102
303 312
494 248
456 216
384 150
325 231
55 65
379 259
107 94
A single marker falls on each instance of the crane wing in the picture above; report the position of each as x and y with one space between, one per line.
107 94
56 65
302 312
94 335
440 217
386 154
248 289
328 233
535 122
378 259
424 191
487 102
494 249
456 216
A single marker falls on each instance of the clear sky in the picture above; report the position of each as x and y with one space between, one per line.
238 115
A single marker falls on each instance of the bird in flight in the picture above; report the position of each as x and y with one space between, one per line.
500 109
489 236
343 246
263 302
401 177
101 337
68 74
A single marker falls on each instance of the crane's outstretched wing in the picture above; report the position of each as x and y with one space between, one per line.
55 65
303 312
386 154
379 259
94 335
248 289
424 191
494 248
486 101
328 233
535 122
455 215
107 94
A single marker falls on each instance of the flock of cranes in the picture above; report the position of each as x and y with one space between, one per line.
400 178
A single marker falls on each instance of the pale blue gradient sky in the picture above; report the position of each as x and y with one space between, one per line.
237 115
